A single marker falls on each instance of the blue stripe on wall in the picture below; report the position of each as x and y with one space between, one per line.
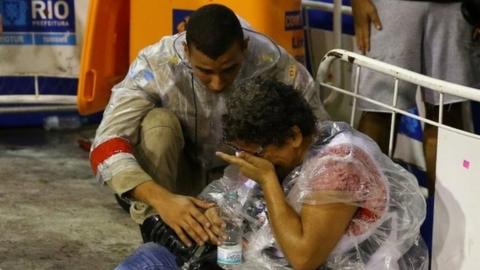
36 119
12 85
25 85
55 39
57 86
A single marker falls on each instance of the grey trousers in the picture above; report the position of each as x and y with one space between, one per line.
424 37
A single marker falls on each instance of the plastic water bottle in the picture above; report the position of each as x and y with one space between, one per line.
56 122
229 253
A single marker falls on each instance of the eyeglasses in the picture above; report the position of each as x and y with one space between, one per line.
258 152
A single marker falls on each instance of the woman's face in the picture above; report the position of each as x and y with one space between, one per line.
284 157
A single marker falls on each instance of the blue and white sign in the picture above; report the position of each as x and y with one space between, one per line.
38 22
40 46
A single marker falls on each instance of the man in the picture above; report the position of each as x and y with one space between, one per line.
162 125
429 37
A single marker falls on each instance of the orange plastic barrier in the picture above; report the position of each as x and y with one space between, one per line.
279 19
105 51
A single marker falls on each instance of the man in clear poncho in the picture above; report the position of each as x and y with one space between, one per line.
162 124
313 196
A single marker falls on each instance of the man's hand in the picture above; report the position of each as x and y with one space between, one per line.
183 214
364 13
258 169
217 229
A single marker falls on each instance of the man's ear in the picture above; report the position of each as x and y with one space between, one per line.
297 138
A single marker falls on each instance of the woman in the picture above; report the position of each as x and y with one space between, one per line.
314 196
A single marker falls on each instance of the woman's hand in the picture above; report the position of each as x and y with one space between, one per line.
258 169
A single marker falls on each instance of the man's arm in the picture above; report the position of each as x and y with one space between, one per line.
364 14
112 153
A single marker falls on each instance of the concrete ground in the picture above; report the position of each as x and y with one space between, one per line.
53 213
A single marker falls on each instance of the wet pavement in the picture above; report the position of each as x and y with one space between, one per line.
53 213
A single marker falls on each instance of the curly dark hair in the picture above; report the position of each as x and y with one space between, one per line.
213 29
263 111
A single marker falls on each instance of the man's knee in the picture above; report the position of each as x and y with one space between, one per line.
160 117
160 146
161 126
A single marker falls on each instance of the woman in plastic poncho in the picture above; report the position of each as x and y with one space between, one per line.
331 199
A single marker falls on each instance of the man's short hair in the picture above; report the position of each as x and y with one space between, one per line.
263 112
213 29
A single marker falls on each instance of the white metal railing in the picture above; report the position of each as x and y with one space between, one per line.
36 99
39 108
327 6
422 81
338 9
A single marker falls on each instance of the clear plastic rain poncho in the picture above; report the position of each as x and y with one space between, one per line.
341 166
161 76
